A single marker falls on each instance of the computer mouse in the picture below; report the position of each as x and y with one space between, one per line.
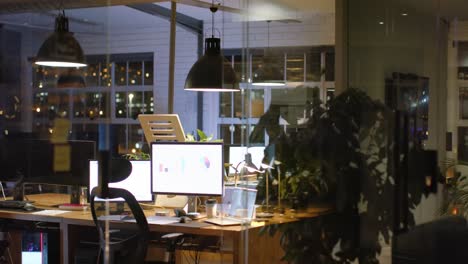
29 207
184 219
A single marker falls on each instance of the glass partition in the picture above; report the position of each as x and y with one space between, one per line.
279 178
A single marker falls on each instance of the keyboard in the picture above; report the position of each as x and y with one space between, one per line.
14 204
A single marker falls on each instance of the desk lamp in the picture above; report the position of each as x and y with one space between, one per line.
277 164
267 168
248 169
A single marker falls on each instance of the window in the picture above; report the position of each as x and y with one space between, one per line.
113 88
305 67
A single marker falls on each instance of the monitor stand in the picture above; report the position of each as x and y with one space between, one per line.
192 208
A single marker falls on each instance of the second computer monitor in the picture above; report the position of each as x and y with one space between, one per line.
187 168
138 182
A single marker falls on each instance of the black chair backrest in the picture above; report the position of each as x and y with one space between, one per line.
136 245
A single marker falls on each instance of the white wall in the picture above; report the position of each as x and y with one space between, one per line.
141 32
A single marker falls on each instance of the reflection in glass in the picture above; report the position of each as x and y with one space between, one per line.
135 73
105 75
295 67
463 104
120 73
121 105
330 66
149 69
79 105
238 68
463 144
313 67
130 139
225 104
268 69
70 78
96 105
252 104
45 77
148 105
91 74
135 104
232 134
330 94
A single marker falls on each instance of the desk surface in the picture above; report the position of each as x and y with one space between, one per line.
72 220
51 200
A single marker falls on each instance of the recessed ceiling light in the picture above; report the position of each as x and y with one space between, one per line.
381 23
404 14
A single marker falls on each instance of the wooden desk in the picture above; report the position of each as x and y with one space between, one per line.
247 244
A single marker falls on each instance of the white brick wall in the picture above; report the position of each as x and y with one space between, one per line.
154 38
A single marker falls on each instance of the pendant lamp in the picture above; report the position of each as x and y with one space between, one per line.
212 72
268 74
61 49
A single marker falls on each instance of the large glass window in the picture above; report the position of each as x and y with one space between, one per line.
303 67
112 88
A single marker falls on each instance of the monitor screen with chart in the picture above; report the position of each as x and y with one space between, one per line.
187 168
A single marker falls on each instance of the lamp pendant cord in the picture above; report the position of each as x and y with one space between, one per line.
213 10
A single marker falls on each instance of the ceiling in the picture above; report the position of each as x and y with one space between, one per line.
233 6
445 8
85 15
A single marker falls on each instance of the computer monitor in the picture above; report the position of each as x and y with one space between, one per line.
237 156
33 159
187 168
138 182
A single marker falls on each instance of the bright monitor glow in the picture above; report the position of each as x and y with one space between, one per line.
138 182
187 168
237 155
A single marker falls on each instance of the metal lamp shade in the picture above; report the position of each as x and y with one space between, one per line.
212 72
61 49
268 74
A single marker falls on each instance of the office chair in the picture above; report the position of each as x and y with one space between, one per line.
125 246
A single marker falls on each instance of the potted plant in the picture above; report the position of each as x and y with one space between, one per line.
341 155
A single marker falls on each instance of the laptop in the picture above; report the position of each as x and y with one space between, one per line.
238 207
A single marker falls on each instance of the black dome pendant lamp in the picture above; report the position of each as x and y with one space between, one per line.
212 72
61 49
268 74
